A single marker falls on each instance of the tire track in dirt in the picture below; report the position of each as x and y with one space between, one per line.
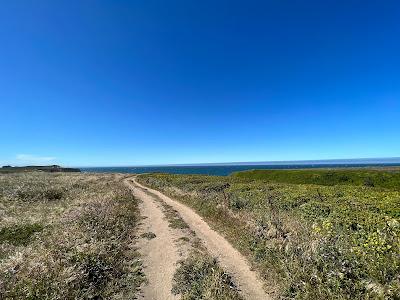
250 285
160 254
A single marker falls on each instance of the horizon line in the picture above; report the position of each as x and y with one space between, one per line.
376 160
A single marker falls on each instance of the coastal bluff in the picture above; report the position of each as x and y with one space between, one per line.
50 169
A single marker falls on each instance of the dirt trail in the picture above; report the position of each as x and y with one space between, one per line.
160 254
230 259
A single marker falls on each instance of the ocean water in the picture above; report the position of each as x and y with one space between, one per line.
224 170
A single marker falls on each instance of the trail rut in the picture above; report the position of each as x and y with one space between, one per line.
230 259
160 254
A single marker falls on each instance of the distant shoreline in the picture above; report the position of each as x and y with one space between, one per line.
224 170
350 161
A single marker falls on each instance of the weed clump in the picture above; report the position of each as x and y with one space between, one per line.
148 235
200 277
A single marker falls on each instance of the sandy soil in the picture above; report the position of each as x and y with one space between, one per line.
162 253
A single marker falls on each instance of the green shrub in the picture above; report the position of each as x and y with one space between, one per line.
388 179
19 234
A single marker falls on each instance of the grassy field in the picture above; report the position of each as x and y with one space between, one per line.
67 236
326 240
385 178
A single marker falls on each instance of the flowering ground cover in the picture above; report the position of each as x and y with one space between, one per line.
309 241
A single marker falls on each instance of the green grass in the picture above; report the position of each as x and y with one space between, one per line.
308 241
387 179
19 234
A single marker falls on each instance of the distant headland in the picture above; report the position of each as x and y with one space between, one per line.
51 169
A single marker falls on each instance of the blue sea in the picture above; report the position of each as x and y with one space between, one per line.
224 170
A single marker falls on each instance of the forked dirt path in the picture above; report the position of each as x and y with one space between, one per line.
230 259
160 254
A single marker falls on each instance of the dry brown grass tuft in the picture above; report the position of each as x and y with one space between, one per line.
200 277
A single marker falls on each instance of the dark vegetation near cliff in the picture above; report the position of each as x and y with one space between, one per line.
50 169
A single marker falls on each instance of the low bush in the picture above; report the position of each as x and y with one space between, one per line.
380 178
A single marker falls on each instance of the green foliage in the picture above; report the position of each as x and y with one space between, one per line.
388 179
19 234
309 241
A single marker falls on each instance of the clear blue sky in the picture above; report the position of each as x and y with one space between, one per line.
151 82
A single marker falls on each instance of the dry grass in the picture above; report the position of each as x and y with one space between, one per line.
67 236
201 277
